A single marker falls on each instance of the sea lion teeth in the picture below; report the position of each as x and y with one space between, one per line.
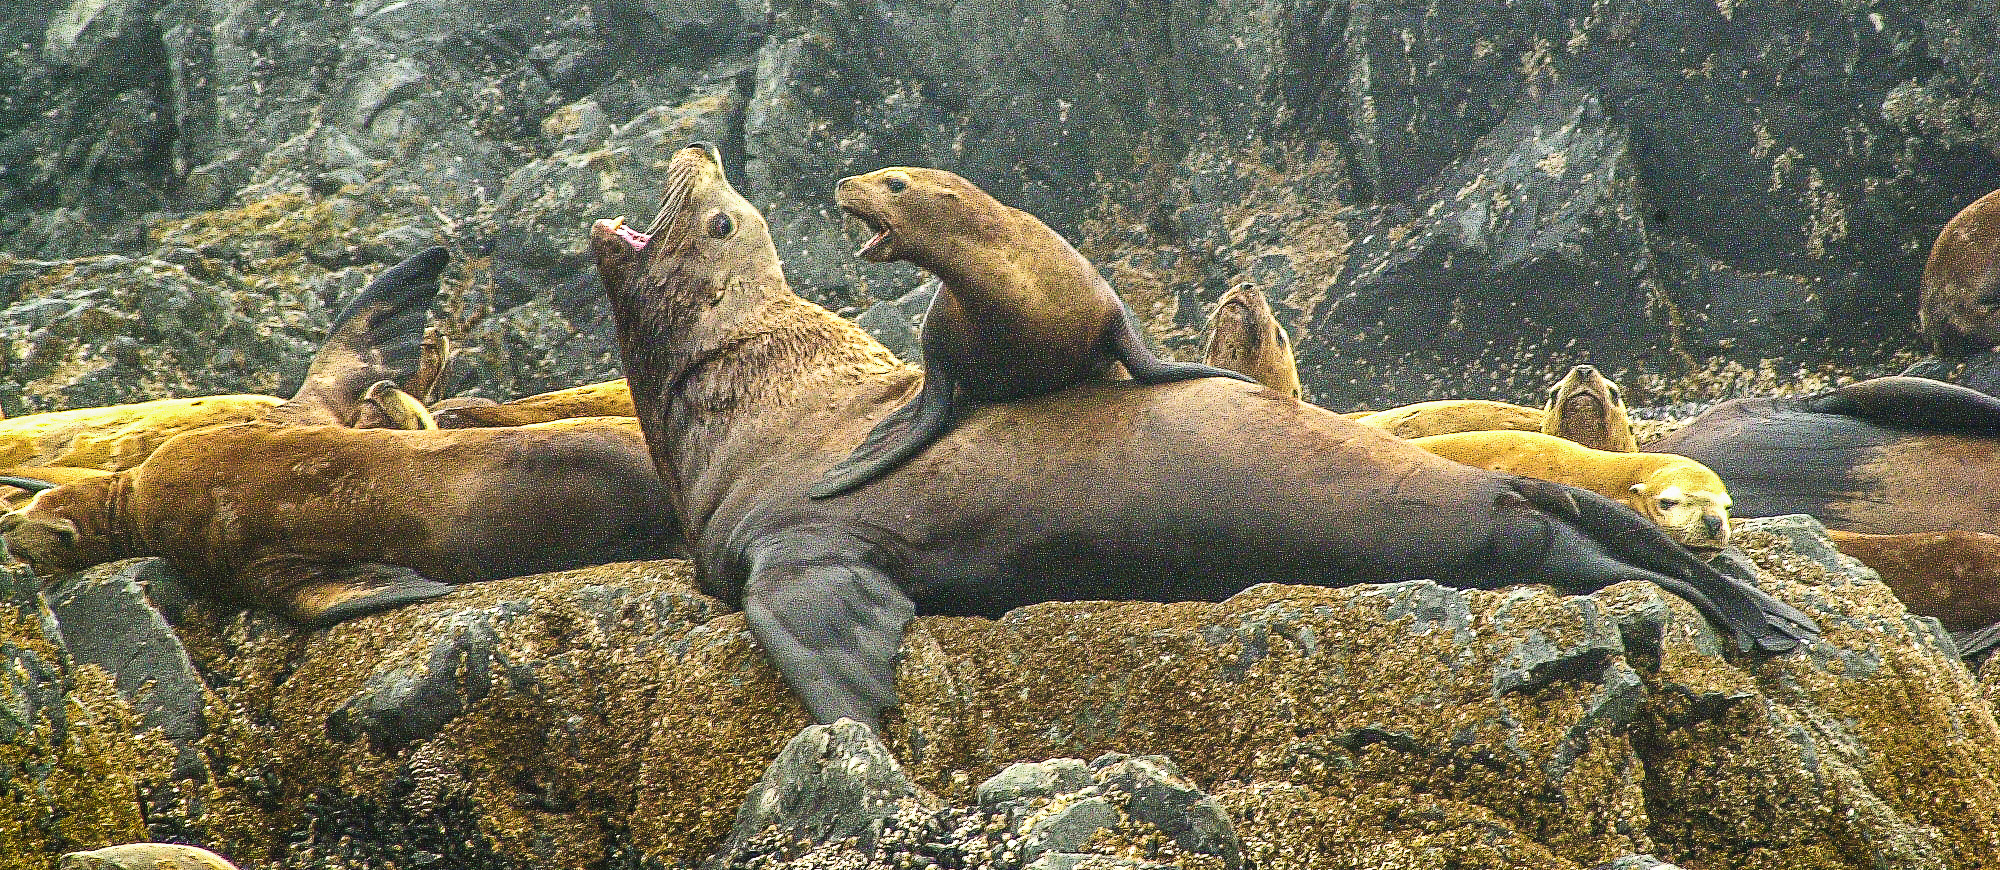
631 236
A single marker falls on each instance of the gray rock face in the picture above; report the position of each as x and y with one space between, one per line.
1441 199
107 621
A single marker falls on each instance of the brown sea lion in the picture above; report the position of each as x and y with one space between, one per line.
323 523
1018 313
1243 336
1677 493
1958 305
1190 490
1884 456
606 399
1953 576
376 336
1586 408
1446 416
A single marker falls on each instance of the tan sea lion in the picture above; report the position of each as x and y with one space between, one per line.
1958 303
1243 336
1190 490
1586 408
322 523
397 409
1953 576
18 485
376 336
1884 456
605 399
1677 493
1446 416
1018 313
145 856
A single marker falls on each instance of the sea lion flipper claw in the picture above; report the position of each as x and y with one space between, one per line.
834 630
899 436
335 592
1128 345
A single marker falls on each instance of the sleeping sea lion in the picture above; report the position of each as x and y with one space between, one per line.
323 523
1885 456
605 399
1446 416
376 336
1243 336
1018 313
1675 492
1958 305
1586 408
1190 490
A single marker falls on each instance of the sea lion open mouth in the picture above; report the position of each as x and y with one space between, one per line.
631 236
878 247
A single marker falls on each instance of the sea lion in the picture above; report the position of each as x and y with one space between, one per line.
1953 576
376 336
1884 456
1677 493
605 399
1190 490
1018 312
323 523
1243 336
1958 303
18 485
1586 408
1446 416
397 409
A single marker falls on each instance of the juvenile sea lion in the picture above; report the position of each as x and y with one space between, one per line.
1018 313
1189 490
1884 456
606 399
1243 336
1675 492
323 523
376 336
1586 408
1958 305
1446 416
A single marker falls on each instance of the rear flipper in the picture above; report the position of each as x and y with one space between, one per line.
324 593
901 435
378 335
386 406
833 629
1592 542
1129 346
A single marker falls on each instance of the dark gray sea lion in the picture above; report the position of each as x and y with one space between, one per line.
1958 308
1884 456
1188 490
1244 336
1018 313
323 523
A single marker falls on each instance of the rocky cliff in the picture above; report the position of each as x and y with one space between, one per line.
1443 198
616 717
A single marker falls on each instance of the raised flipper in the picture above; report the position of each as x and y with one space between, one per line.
901 435
395 408
324 593
434 355
1128 344
1594 542
833 629
379 335
1913 403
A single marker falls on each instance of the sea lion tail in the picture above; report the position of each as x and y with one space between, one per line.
377 336
28 483
1594 542
1128 345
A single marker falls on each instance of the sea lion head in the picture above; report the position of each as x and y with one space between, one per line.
706 241
1587 408
1244 337
1688 501
64 529
918 215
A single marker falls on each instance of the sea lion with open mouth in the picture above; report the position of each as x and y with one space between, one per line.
1190 490
1019 312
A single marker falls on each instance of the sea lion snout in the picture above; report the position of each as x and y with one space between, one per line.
41 542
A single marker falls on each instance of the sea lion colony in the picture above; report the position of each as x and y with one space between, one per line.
726 366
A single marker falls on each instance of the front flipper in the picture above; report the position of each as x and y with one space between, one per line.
324 593
833 629
901 435
1129 346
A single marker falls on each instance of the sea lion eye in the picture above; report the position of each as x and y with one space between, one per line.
1669 503
896 184
721 225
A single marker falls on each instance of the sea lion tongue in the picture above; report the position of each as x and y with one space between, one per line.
631 236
